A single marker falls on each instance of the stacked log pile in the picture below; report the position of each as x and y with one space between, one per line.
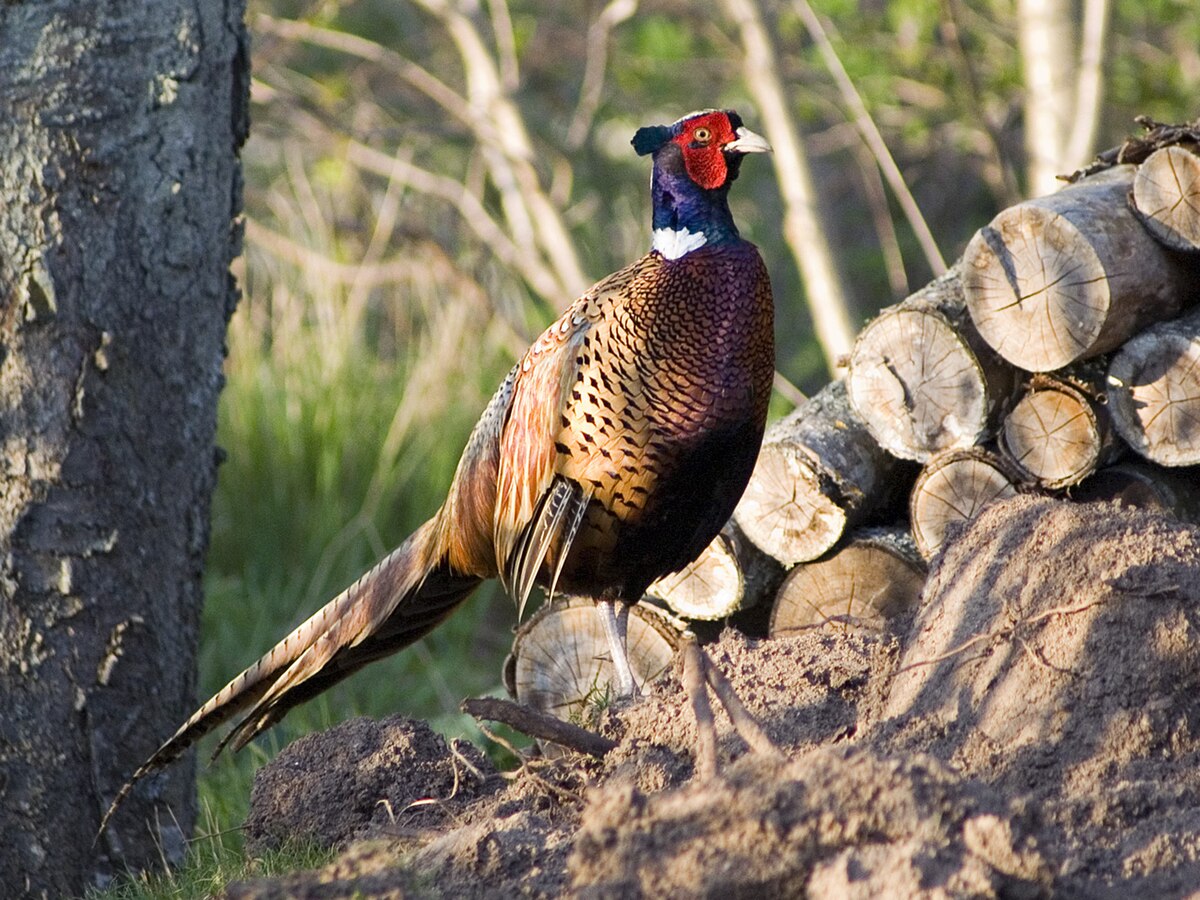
1060 355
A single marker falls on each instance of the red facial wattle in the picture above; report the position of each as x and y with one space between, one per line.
703 159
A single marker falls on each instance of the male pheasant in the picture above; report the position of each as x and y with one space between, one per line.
612 454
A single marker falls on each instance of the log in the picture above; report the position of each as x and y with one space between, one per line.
560 663
819 472
1060 431
1141 484
953 488
1071 275
1154 392
1166 197
875 577
922 378
729 576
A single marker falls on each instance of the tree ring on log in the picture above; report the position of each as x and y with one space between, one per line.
1154 392
560 662
875 577
953 488
917 384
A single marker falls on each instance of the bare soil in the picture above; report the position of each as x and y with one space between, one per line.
1034 731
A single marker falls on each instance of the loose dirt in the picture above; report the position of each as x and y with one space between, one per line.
1033 731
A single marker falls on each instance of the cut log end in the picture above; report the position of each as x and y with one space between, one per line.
786 511
1036 289
1053 436
867 584
953 488
1166 195
1154 392
560 661
711 587
1070 276
917 384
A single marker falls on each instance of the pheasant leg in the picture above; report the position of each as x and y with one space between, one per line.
615 618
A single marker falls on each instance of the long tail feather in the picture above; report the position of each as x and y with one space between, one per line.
393 605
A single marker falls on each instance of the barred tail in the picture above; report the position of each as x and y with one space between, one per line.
393 605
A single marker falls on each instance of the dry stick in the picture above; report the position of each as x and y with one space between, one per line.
1166 197
819 472
922 378
706 728
538 724
1154 392
743 722
1071 275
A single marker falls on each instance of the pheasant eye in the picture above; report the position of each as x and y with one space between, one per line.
702 135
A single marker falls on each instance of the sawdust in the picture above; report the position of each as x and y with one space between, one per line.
1033 731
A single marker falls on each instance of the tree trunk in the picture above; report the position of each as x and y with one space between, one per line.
1071 276
120 179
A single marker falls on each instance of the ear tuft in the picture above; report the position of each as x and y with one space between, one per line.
650 138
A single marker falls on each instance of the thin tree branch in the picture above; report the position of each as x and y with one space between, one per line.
474 215
592 87
538 724
872 137
506 45
1089 85
485 90
802 228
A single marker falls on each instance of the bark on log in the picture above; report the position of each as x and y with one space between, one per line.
1166 196
820 472
875 577
729 576
120 185
1154 392
1071 275
922 378
953 488
1142 484
1060 431
560 662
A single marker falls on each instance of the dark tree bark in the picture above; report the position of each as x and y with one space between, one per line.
119 183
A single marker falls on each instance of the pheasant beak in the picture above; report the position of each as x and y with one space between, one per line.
747 142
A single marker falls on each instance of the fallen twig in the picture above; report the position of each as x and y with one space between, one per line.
538 724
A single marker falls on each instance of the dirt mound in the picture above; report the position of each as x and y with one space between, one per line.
333 786
1033 731
843 822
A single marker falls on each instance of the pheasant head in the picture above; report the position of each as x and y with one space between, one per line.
695 161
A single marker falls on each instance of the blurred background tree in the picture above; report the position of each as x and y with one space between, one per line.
429 181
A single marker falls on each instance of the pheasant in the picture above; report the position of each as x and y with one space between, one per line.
612 453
